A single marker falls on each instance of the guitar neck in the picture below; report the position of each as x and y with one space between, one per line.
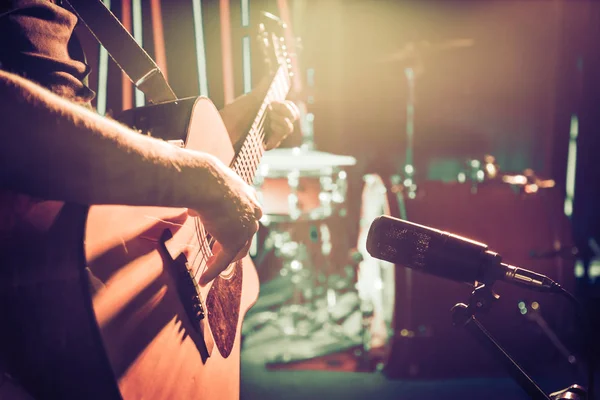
247 158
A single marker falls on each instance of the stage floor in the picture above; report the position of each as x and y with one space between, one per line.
260 383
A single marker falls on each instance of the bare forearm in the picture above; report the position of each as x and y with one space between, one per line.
54 149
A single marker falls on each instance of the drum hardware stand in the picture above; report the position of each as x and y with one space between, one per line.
286 319
363 354
298 316
463 315
331 324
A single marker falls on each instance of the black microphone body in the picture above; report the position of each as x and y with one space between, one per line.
446 255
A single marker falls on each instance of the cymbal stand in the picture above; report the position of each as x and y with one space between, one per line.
409 168
295 318
463 315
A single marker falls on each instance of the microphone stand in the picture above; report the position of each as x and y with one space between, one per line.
463 315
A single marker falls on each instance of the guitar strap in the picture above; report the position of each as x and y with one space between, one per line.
123 49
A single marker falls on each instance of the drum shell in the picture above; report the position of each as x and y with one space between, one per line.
274 194
511 223
302 194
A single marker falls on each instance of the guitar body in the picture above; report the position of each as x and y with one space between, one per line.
131 337
150 342
49 338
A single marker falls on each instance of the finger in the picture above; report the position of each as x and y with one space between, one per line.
244 252
254 195
217 248
282 110
294 110
258 211
273 142
281 128
221 260
216 264
287 109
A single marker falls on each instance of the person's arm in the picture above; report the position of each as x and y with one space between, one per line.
56 150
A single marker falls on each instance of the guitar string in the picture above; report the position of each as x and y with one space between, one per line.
253 140
255 143
256 136
205 246
244 165
248 173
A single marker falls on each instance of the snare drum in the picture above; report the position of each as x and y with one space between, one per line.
295 184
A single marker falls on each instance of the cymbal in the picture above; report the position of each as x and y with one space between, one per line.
296 159
414 50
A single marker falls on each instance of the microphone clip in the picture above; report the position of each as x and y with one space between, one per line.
481 301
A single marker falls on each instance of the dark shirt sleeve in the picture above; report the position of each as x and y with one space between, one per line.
35 38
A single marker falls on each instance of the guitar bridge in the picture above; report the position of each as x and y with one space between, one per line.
189 295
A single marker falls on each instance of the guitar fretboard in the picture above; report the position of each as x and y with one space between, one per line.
245 162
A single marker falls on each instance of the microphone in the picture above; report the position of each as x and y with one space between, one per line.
446 255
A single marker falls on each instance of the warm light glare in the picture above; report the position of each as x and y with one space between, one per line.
571 166
138 36
593 270
245 13
247 62
310 77
515 179
295 265
102 76
568 207
200 47
480 175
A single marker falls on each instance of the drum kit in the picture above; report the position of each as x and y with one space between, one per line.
322 293
326 295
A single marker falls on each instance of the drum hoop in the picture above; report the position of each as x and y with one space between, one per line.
302 173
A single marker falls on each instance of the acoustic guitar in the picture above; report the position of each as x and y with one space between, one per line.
138 326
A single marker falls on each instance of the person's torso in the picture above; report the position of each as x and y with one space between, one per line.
37 42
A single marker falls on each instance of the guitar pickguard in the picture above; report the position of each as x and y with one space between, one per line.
223 305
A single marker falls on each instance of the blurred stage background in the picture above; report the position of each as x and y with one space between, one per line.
517 80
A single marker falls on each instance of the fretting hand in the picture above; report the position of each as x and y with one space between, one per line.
280 117
280 122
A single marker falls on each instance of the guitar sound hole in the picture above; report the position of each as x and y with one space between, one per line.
209 240
229 272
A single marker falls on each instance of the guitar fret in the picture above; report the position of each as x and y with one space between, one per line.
248 158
